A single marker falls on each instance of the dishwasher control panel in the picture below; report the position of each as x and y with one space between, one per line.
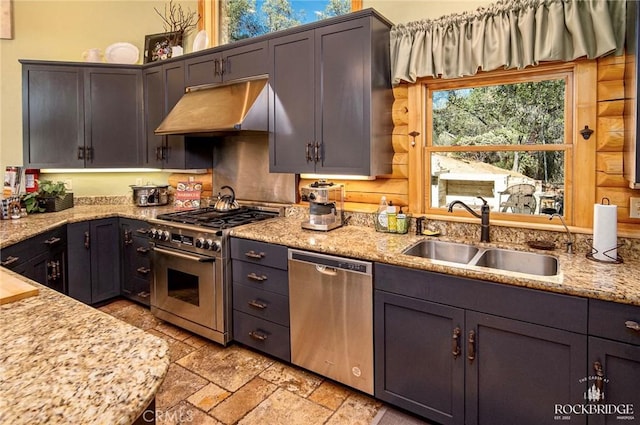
331 261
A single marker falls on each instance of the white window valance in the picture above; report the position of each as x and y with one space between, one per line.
508 34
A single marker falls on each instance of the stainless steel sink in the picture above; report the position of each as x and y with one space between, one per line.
443 251
493 258
518 261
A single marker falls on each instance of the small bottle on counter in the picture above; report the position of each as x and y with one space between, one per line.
382 224
392 218
401 222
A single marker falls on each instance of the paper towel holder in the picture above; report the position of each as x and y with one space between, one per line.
613 260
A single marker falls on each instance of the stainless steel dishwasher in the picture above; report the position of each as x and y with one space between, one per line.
331 317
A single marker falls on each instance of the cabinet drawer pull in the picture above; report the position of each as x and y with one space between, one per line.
634 326
52 241
142 231
253 254
143 270
455 350
307 153
142 250
599 373
143 294
257 304
258 336
253 276
471 346
10 260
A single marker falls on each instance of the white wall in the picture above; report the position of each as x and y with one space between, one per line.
401 11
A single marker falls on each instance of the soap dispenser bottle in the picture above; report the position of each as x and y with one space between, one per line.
382 223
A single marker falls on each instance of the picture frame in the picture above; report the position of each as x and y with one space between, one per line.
158 46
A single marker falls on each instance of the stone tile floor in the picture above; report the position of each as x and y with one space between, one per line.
211 384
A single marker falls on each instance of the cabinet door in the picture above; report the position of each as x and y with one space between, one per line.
105 259
620 366
292 103
113 117
343 97
154 110
245 61
79 261
203 69
518 372
174 153
52 113
419 355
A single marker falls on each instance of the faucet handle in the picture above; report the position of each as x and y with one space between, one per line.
484 201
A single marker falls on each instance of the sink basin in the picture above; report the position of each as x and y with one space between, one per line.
519 261
443 251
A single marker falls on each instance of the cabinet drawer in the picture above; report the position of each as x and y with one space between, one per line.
262 335
17 254
261 277
259 253
608 320
263 304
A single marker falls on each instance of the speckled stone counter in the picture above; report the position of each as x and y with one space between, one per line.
63 362
578 275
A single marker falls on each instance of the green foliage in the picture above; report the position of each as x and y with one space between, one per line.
243 20
522 114
46 189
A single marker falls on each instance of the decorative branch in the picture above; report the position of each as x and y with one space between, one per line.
176 20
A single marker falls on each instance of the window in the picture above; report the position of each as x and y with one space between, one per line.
506 137
240 19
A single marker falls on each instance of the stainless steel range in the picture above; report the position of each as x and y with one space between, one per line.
191 267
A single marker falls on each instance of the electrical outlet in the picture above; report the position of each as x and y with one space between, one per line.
634 207
138 182
68 184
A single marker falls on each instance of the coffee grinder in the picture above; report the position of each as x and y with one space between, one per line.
326 203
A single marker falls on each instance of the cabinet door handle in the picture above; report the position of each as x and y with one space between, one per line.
54 270
142 231
143 294
253 254
471 346
222 66
142 250
307 152
599 383
10 260
80 152
316 152
455 344
257 304
634 326
127 237
90 153
143 270
253 276
257 335
87 240
158 153
52 241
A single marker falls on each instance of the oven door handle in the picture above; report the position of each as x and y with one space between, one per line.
173 253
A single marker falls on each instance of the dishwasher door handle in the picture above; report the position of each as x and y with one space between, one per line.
329 271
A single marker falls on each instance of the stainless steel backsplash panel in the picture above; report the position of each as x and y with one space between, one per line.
242 162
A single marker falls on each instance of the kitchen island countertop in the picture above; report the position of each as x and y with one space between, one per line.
63 362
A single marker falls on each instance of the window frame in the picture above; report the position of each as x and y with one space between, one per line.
580 107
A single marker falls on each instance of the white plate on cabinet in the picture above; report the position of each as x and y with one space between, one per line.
201 41
122 53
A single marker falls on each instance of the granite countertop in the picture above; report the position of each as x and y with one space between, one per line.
64 362
578 275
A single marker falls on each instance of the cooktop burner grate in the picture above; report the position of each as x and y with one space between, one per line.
209 217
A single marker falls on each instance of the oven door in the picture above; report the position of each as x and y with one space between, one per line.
184 285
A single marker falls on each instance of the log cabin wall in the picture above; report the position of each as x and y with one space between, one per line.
610 181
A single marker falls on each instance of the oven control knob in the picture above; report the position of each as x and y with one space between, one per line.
152 233
164 236
214 245
200 243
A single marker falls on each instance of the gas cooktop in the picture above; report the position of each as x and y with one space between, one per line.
212 218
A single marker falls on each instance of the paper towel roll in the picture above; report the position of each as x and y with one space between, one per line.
605 232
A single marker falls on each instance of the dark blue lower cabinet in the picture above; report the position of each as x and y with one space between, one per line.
454 365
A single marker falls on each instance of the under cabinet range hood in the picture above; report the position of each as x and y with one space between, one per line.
240 105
